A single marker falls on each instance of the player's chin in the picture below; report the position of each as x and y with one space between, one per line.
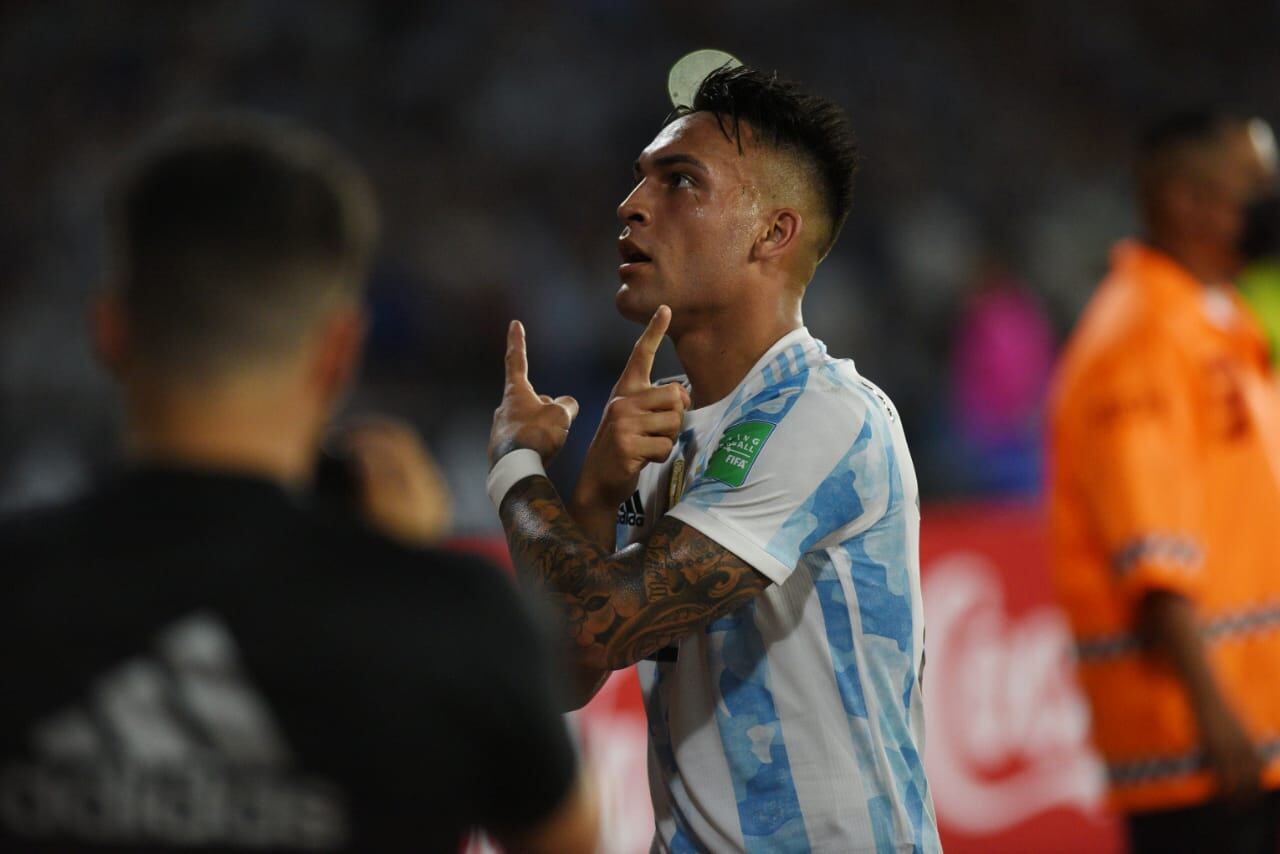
635 303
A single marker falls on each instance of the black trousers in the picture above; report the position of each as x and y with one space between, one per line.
1212 828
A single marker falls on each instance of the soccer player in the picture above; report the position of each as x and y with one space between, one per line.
197 656
1165 503
765 569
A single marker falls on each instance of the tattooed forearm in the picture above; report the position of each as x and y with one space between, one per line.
620 608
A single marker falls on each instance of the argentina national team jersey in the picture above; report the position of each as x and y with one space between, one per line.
796 722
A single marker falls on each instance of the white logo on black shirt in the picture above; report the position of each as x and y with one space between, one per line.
631 511
174 748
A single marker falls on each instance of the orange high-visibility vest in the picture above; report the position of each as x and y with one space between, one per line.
1165 475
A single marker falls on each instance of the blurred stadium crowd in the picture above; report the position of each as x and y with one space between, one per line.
996 137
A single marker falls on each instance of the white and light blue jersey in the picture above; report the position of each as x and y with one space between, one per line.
796 722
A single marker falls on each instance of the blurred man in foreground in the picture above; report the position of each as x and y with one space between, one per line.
763 569
194 655
1165 491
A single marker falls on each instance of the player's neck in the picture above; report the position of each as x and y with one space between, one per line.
221 431
717 356
1206 264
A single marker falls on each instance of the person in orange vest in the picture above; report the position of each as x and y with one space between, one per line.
1164 486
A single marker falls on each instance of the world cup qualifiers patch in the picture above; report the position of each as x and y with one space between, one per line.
737 452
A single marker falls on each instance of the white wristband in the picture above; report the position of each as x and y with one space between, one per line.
510 470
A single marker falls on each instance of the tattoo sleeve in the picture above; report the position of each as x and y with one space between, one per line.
622 607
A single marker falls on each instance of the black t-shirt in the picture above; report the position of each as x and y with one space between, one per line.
204 660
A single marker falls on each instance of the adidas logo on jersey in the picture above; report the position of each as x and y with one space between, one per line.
173 748
631 511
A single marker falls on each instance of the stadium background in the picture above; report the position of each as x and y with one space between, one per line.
996 136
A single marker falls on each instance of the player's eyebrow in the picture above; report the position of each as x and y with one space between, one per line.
672 160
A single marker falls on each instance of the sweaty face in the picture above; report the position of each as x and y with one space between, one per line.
690 222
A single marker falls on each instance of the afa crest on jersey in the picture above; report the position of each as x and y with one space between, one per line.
676 489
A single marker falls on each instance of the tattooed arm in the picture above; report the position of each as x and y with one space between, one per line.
619 607
622 607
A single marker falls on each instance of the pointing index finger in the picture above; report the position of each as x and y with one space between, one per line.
517 360
635 376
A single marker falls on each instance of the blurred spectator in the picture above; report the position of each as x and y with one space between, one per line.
1165 503
198 653
1000 364
1260 281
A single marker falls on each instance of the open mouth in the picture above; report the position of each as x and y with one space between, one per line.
632 255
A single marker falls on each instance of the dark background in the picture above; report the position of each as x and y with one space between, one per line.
996 136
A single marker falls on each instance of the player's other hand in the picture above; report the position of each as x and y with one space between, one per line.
1232 756
400 489
640 425
526 419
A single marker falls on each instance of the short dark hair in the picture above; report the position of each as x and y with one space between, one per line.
1198 125
782 115
229 234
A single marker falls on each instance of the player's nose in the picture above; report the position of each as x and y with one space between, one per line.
633 210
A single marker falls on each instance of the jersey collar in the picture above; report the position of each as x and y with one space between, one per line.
1218 310
713 411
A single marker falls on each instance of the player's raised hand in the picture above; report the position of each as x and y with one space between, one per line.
401 490
640 425
526 419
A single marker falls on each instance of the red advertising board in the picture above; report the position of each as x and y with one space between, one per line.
1007 750
1007 747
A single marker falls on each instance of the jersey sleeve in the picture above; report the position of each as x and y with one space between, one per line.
1139 471
792 471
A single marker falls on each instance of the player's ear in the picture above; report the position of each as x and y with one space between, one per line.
339 343
109 329
785 226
